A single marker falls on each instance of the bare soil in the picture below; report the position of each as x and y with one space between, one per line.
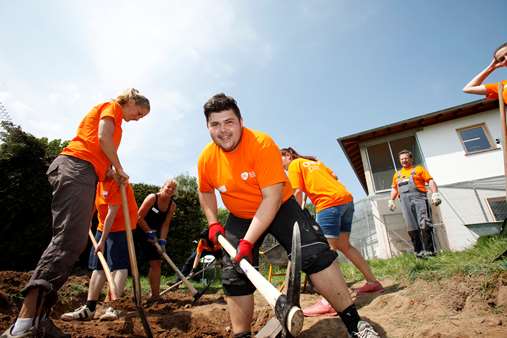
455 308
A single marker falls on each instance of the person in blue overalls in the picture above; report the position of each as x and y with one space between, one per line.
409 184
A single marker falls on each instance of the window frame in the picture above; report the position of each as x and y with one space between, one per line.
388 140
494 199
491 141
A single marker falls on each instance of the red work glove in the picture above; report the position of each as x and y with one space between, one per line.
214 230
244 250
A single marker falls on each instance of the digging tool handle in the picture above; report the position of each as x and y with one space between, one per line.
133 262
175 268
503 127
105 267
181 281
268 291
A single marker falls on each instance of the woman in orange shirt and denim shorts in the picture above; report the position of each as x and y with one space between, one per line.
335 209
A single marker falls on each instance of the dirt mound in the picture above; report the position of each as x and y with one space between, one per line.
457 307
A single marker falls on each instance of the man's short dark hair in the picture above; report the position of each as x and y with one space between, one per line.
220 102
405 151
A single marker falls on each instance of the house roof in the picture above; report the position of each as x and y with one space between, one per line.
350 143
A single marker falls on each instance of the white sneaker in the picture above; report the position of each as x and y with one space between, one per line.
110 314
365 330
81 313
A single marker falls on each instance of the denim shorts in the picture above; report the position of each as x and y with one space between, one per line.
336 219
116 252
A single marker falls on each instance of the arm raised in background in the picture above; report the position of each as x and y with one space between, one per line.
475 85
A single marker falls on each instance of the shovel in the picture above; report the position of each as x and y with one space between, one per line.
133 263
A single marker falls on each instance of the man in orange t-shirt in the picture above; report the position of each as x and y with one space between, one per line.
476 86
409 184
73 176
245 167
112 242
334 206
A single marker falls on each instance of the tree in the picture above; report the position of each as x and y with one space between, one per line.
25 196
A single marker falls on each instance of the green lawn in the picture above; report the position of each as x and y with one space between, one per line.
474 261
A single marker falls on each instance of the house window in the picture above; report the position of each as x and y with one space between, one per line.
476 138
383 158
498 206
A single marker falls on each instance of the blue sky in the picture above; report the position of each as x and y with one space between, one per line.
306 72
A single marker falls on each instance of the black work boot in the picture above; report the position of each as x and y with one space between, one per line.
415 237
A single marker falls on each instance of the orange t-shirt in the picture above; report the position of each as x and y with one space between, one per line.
203 246
108 193
240 174
86 144
492 91
421 177
318 183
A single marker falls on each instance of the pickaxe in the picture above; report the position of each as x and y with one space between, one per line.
289 317
196 294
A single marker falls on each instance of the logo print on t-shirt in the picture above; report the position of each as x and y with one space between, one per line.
244 175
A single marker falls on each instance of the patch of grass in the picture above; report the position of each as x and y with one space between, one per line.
76 289
406 267
474 261
166 281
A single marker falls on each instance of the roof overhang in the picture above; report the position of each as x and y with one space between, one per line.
350 144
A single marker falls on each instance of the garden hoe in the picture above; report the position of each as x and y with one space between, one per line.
133 263
196 294
289 317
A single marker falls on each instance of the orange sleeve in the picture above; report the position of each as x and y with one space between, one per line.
395 181
111 110
268 166
425 175
199 247
295 175
492 90
202 182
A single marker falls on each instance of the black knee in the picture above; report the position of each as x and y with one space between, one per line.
236 283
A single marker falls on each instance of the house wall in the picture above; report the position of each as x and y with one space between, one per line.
448 163
445 158
444 154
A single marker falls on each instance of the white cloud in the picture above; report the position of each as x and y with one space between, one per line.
176 52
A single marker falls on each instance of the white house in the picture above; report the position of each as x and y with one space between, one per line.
460 148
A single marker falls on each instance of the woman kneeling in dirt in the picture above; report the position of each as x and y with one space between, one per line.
112 242
204 247
154 217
